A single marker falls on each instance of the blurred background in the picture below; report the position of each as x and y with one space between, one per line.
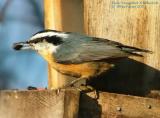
20 19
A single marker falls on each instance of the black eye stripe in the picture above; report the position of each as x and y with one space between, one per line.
53 39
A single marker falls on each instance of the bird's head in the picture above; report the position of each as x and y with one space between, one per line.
44 42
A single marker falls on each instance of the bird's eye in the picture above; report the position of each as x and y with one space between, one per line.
54 40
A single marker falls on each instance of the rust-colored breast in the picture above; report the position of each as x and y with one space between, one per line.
84 70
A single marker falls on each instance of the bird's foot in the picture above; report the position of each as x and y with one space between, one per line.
87 89
71 84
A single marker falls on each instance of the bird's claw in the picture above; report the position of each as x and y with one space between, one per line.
86 88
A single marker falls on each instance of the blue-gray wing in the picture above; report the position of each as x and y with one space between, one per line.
86 49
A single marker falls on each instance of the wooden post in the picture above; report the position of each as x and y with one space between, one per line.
50 24
134 23
64 16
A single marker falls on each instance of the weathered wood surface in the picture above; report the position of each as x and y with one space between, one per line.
111 105
39 104
138 27
49 104
63 15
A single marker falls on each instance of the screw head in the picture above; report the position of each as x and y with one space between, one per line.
119 109
149 106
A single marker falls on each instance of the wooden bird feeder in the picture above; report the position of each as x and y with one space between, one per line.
135 23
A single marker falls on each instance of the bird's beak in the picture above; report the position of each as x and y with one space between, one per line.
22 46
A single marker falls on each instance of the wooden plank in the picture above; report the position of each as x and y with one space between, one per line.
39 104
64 16
66 104
131 26
110 105
137 27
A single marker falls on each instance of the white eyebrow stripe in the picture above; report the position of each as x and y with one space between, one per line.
49 34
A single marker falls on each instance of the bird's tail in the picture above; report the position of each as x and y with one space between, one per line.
22 46
135 51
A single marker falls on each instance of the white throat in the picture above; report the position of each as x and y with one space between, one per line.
53 49
46 47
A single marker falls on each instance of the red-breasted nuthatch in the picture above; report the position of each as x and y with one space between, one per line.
77 55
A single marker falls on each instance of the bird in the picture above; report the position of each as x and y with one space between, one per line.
78 55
